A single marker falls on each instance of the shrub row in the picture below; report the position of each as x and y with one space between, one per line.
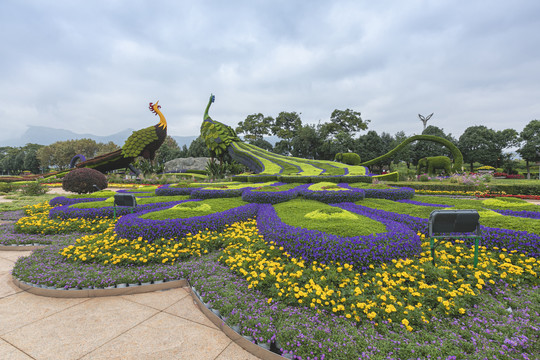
514 189
268 197
334 196
304 179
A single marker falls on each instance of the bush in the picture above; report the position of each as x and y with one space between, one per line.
348 158
6 187
424 178
34 189
85 180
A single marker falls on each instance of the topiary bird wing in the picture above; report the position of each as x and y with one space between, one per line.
135 144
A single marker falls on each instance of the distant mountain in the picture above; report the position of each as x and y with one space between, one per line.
44 135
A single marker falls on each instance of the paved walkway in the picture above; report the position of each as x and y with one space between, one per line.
159 325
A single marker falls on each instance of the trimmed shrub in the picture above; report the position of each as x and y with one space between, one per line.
348 158
348 179
240 178
393 176
83 181
294 179
513 189
261 178
6 187
34 189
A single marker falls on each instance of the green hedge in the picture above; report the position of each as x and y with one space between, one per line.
512 189
261 178
393 176
294 179
241 178
342 179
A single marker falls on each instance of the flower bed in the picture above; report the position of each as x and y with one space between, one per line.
390 194
413 202
312 245
62 200
213 194
9 237
402 308
492 238
523 213
333 196
268 197
167 190
66 212
132 226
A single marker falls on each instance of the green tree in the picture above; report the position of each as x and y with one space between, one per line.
198 148
263 144
285 127
340 131
478 144
106 148
347 121
169 150
505 139
306 142
255 127
530 144
370 146
406 153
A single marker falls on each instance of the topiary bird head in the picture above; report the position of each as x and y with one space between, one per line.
155 109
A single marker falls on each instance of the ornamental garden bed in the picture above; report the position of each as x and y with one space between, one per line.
344 278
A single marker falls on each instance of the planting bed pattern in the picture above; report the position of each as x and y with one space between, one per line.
309 271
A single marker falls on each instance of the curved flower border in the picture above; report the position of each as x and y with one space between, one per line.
333 196
66 212
521 241
313 245
167 190
62 200
132 226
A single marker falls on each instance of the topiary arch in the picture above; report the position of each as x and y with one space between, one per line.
456 154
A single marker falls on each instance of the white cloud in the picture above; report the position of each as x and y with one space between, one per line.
94 66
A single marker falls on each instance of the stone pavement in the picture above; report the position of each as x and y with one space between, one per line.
159 325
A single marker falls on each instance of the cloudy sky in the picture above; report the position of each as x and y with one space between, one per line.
93 66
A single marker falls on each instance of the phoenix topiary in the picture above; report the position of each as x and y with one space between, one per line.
84 180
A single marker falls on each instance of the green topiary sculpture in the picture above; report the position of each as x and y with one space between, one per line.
217 136
456 154
430 164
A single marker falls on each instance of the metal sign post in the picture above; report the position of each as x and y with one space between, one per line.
124 200
446 224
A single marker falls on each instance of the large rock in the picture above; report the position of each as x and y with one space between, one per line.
186 164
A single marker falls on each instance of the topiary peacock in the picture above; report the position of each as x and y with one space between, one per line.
217 136
144 142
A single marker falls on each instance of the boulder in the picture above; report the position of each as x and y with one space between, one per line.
186 164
